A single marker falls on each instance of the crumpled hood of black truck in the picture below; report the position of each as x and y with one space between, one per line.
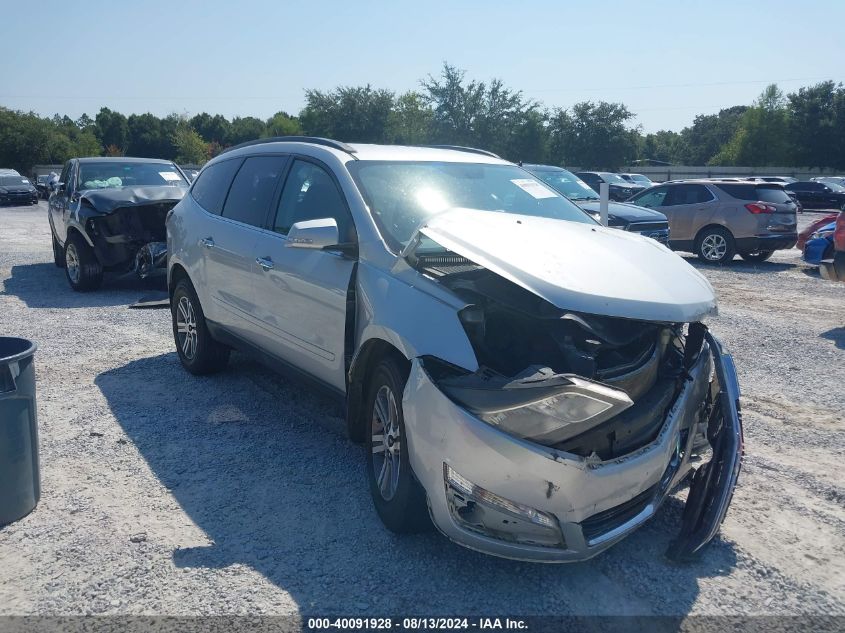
107 200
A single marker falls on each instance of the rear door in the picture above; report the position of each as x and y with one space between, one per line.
301 294
231 255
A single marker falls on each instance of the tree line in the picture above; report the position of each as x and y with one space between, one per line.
805 128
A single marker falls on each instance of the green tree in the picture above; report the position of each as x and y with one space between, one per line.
761 138
664 145
353 114
147 139
244 129
708 134
409 121
111 128
593 136
190 148
282 124
213 129
813 117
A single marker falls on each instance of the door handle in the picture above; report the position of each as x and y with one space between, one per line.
208 242
265 262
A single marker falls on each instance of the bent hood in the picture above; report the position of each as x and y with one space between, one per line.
107 200
581 267
624 211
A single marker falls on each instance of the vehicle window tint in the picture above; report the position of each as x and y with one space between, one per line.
771 194
311 194
687 194
65 173
252 190
651 198
213 183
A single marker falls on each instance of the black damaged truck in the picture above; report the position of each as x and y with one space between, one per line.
108 215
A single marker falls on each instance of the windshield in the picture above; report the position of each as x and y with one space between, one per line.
568 184
402 195
834 186
614 178
113 174
643 180
11 181
43 178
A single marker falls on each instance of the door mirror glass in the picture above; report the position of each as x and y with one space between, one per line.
313 234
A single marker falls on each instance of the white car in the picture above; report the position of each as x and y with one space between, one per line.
533 383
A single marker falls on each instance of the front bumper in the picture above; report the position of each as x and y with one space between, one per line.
594 504
833 269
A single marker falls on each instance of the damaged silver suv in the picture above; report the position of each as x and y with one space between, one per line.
533 383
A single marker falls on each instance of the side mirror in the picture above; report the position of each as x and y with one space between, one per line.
313 234
59 186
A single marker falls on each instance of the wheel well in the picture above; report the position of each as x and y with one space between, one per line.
359 374
711 226
177 273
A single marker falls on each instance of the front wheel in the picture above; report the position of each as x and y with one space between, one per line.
200 354
82 268
715 245
397 495
756 256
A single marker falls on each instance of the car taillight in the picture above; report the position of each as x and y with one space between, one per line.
760 207
839 233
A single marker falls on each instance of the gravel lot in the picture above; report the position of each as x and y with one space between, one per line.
169 494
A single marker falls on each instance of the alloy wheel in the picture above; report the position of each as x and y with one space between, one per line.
72 263
386 442
186 328
714 247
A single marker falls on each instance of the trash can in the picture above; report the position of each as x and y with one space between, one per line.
20 481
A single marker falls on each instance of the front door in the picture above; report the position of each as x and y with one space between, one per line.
300 293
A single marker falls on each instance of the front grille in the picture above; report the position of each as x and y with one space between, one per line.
639 227
608 520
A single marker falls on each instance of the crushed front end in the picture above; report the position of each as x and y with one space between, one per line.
575 427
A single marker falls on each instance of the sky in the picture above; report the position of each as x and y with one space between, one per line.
667 61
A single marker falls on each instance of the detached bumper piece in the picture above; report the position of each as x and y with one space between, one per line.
713 484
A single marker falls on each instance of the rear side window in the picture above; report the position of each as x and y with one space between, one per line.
763 193
687 194
213 183
253 188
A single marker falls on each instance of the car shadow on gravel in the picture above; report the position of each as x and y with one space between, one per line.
742 267
44 285
264 468
837 335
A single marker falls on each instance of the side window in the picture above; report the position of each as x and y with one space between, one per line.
652 198
70 183
311 194
687 194
253 188
65 173
212 185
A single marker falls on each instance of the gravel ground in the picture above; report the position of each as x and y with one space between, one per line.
165 493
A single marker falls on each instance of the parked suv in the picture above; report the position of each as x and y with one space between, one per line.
107 214
620 215
620 189
818 195
718 219
534 382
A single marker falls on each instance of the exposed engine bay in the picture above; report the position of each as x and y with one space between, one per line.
586 384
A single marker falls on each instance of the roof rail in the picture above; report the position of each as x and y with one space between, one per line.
314 140
461 148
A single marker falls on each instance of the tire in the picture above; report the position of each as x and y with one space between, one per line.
756 256
715 245
199 352
83 271
399 498
58 253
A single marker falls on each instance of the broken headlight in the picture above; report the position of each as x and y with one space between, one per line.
479 510
537 404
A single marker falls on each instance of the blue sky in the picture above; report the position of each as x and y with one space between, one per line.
667 61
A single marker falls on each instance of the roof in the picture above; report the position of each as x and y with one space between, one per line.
123 159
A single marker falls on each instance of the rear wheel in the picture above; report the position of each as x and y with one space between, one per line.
756 256
397 495
83 271
200 354
715 245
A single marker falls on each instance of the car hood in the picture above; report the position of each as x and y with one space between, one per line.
17 188
574 266
624 211
107 200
